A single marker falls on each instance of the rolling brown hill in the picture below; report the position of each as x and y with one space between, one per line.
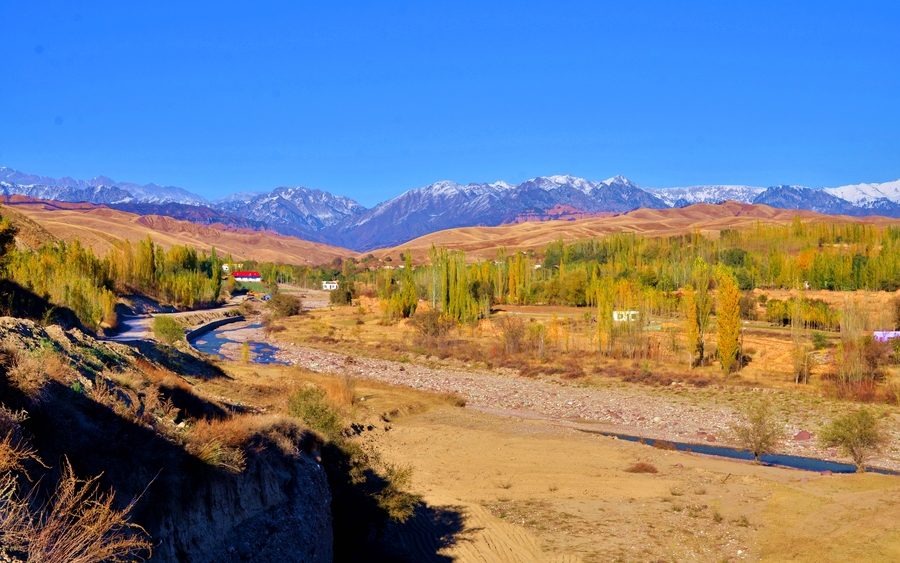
100 227
483 242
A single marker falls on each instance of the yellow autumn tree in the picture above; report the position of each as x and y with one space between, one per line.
728 318
691 326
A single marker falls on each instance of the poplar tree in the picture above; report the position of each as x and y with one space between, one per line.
728 319
691 327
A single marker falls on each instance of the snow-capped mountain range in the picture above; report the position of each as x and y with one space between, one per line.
680 197
323 217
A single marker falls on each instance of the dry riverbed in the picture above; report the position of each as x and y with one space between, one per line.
675 413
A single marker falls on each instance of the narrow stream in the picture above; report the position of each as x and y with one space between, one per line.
792 461
212 342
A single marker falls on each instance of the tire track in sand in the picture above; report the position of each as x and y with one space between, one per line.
483 539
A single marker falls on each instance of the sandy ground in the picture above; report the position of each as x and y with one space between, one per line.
527 490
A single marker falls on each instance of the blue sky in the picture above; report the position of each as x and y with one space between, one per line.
369 99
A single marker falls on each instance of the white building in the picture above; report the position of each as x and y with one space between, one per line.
626 316
329 285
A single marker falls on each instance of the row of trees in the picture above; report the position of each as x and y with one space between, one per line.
796 256
71 275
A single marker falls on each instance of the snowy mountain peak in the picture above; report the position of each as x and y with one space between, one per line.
866 195
101 181
444 187
617 179
680 197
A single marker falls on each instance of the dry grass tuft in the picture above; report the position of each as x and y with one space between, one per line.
233 432
25 372
13 454
214 454
453 399
340 391
78 525
221 443
642 467
161 376
664 445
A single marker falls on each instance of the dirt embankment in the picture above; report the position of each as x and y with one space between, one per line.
276 510
133 416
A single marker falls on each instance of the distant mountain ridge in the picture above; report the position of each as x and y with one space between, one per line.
294 211
319 216
102 188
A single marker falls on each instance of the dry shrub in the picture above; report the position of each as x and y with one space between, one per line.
642 467
164 411
56 367
512 334
664 445
25 372
232 432
102 392
572 370
78 525
891 393
219 443
568 369
861 391
14 452
647 377
270 328
432 327
340 391
453 399
161 376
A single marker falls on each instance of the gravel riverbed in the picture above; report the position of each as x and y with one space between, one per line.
675 413
669 413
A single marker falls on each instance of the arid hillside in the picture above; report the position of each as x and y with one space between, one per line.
483 242
100 227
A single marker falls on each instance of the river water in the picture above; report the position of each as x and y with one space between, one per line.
792 461
231 338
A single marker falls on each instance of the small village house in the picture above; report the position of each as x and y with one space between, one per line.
247 277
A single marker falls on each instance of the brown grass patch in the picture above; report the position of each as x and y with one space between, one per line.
253 432
340 391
